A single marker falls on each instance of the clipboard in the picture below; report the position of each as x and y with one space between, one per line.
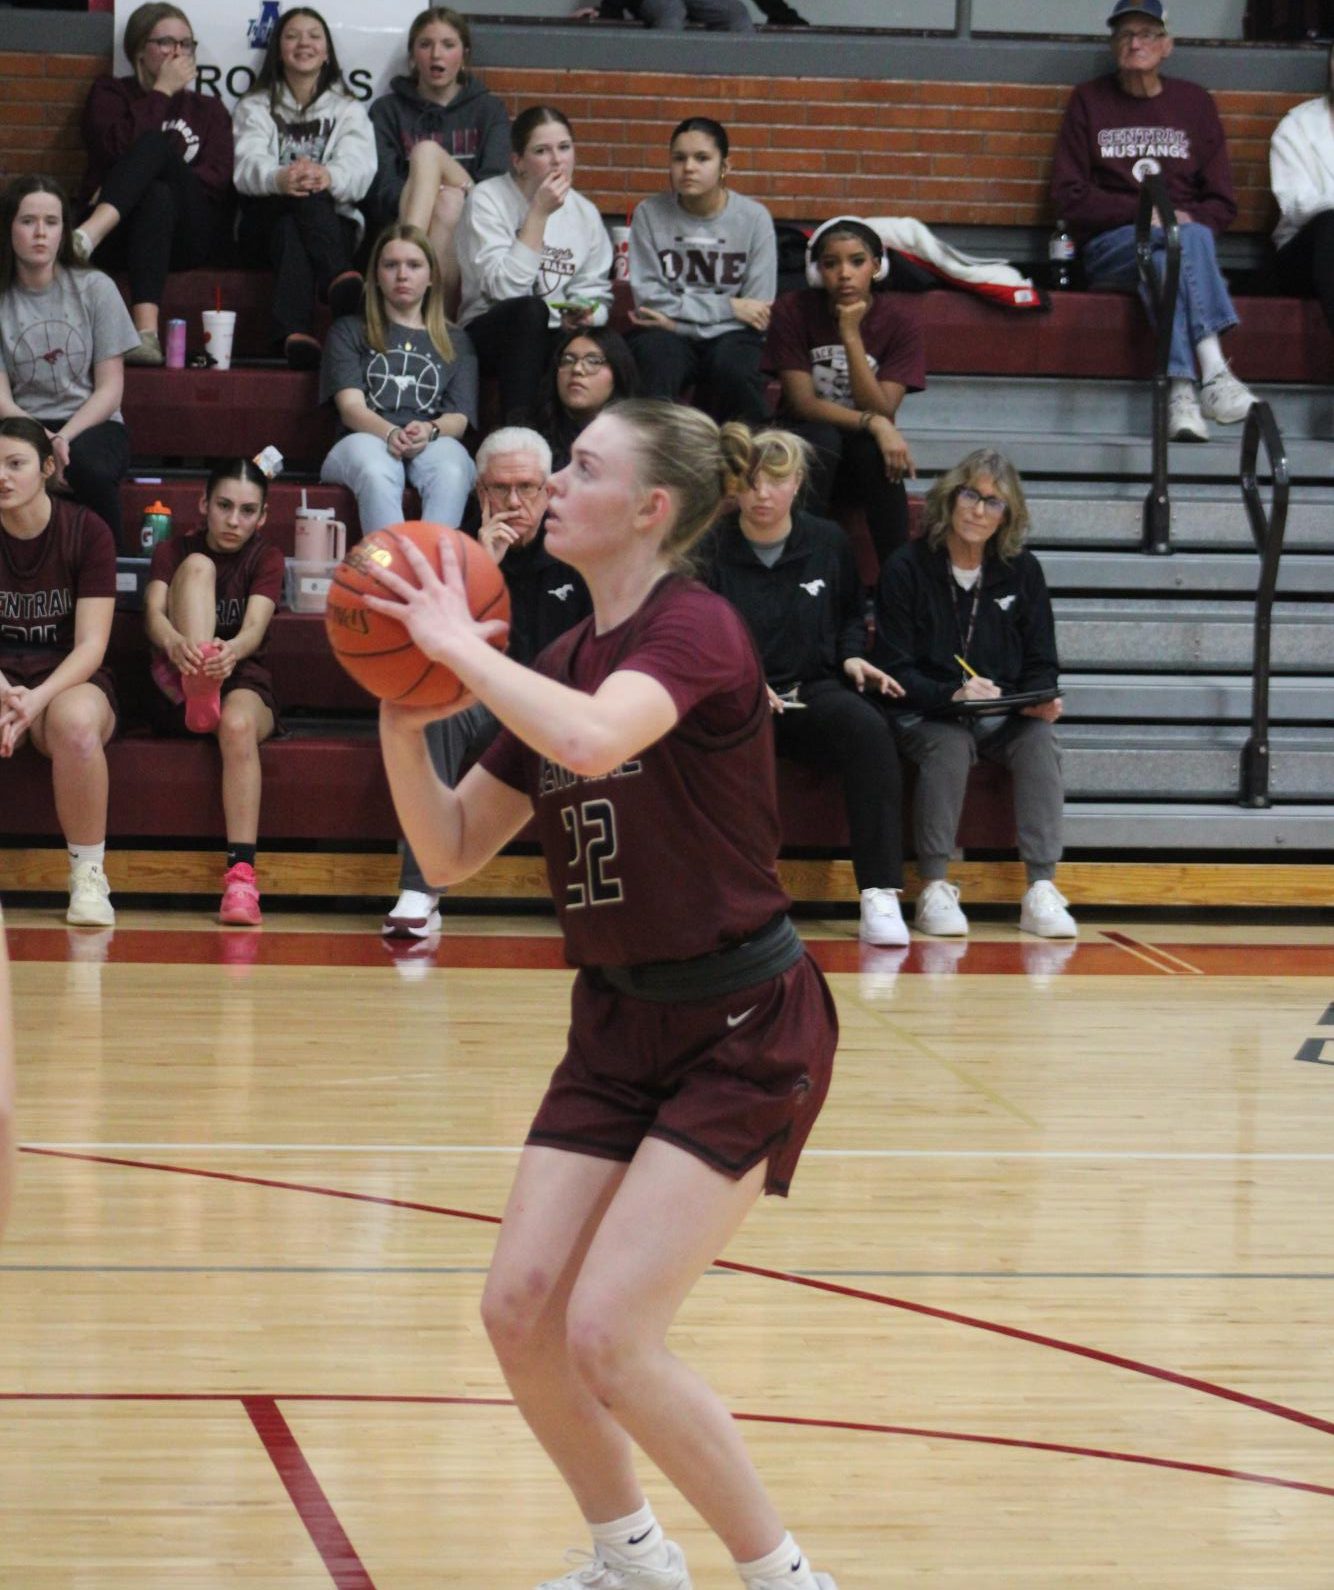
997 704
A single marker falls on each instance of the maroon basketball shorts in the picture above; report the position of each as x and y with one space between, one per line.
733 1080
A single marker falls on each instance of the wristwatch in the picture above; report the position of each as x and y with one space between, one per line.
435 432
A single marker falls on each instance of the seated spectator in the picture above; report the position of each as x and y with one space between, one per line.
535 259
846 357
159 175
547 597
57 594
722 16
404 388
794 580
64 334
305 156
207 607
1116 130
963 615
588 370
1301 173
438 132
704 271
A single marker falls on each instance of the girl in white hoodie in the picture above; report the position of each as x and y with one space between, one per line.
305 154
1301 173
535 260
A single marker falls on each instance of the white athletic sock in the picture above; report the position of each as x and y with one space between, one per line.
786 1564
637 1536
97 854
1209 351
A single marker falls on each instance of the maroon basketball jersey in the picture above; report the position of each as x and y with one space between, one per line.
673 853
42 579
255 570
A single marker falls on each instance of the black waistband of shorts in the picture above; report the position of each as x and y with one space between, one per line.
769 953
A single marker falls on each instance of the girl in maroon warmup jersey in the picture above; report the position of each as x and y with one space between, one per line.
57 595
702 1035
207 608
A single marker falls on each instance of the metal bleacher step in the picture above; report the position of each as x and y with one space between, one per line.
1205 517
1190 762
1035 452
1193 826
1190 698
1189 635
1223 573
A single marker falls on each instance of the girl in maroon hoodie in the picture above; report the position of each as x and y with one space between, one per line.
159 167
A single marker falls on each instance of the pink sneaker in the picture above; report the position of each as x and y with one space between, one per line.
203 697
240 897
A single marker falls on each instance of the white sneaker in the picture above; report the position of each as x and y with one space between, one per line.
882 919
606 1569
1043 912
1185 422
1225 399
415 916
89 897
821 1581
938 911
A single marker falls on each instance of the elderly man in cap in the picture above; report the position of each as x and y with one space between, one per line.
1118 129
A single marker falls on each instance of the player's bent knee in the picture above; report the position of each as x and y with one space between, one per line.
513 1316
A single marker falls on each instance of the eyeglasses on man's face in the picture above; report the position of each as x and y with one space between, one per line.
1138 35
993 507
527 491
582 361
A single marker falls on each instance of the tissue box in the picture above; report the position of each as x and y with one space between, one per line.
308 585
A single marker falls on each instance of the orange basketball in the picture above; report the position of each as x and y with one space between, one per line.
377 651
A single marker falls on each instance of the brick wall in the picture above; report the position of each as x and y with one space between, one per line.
974 153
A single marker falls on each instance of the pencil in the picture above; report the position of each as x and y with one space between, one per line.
971 672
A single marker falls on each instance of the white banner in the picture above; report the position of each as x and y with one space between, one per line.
233 34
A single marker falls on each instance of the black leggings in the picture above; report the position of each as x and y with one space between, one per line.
99 459
306 243
724 371
850 469
1306 263
168 219
514 344
841 727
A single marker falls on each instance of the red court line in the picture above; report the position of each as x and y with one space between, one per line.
528 952
330 1540
1209 1388
794 1421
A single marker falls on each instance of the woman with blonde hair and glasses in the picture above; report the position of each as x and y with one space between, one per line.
405 388
793 578
701 1036
963 622
159 171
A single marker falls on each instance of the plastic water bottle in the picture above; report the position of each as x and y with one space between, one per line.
1061 257
156 527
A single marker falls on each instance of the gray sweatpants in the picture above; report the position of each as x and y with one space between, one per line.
450 741
945 748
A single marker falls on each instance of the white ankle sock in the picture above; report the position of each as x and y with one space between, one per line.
1179 383
1209 352
637 1536
97 854
786 1563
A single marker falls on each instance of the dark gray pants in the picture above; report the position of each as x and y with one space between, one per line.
450 741
945 748
729 16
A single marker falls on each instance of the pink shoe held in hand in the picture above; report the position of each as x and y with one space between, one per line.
203 696
240 897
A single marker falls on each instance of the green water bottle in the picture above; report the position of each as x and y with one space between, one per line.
156 526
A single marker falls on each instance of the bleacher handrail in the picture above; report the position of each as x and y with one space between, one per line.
1267 531
1155 202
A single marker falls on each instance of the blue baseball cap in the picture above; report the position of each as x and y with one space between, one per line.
1138 8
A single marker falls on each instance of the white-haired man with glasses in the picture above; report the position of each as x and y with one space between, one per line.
546 598
1117 130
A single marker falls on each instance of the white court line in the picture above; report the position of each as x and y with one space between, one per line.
810 1153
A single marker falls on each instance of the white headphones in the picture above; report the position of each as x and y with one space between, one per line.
813 247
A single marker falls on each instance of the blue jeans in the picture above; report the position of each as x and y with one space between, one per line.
1203 305
442 473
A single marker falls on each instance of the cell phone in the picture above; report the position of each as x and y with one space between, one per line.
572 303
789 698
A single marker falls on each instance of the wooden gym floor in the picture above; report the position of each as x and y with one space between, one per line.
1050 1305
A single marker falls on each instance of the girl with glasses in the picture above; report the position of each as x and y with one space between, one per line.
159 170
589 369
963 619
305 156
704 272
